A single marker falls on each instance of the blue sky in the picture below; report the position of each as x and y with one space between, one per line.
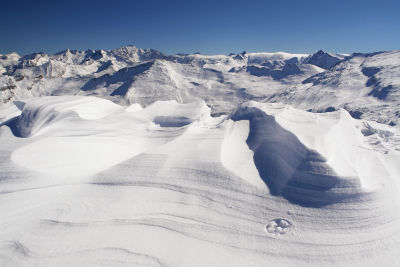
208 26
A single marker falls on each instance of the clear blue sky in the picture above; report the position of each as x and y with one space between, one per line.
207 26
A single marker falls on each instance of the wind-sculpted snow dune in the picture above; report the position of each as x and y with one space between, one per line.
288 167
86 182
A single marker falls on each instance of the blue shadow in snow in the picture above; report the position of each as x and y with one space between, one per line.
288 167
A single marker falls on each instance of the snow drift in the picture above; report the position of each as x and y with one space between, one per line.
85 181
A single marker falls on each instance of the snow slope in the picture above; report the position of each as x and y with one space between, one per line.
86 182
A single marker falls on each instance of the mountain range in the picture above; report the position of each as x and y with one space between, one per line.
366 85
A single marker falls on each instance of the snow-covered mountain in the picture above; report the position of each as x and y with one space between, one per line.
131 157
367 85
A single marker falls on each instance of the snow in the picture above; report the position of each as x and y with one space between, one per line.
338 138
128 75
103 184
236 155
130 157
263 57
9 112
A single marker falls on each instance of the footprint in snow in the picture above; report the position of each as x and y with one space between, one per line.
278 227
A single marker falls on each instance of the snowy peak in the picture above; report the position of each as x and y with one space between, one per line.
323 60
132 54
260 58
120 81
9 58
8 61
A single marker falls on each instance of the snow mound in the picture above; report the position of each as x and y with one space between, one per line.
39 113
340 140
288 167
59 127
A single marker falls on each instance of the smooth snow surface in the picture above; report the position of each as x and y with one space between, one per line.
86 182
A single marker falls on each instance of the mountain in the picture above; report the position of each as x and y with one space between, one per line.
323 59
130 157
364 84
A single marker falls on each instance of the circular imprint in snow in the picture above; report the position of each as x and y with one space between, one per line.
278 227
